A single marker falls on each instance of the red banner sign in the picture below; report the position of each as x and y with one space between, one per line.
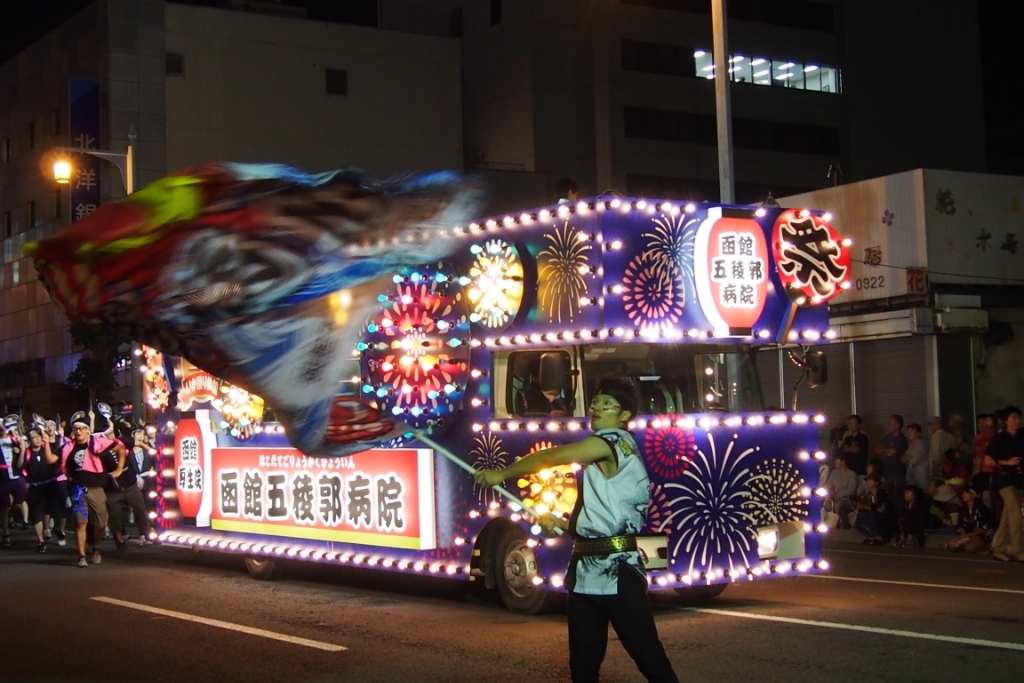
379 497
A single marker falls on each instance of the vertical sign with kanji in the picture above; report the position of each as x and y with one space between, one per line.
84 130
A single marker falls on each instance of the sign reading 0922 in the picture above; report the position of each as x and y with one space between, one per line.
812 259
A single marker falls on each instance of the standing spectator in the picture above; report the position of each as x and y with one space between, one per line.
982 467
1006 450
913 520
916 458
567 190
842 485
84 459
954 473
837 434
962 439
876 517
856 446
12 486
941 441
891 452
41 466
974 529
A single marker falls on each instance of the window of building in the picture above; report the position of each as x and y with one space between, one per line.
175 64
455 23
701 129
781 73
30 131
5 150
337 82
657 58
495 12
703 190
8 225
802 14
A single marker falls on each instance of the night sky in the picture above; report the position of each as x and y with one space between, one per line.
22 22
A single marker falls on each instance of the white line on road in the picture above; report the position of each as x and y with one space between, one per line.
330 647
904 556
919 585
864 629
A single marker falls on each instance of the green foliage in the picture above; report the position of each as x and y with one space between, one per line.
104 348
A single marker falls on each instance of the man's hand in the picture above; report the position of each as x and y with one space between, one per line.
489 477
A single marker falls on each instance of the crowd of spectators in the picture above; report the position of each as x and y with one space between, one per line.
966 489
94 474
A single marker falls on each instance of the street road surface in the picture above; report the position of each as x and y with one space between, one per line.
166 614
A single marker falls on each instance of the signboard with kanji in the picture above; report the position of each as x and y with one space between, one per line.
84 129
377 497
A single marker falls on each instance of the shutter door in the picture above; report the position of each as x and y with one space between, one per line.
890 377
956 378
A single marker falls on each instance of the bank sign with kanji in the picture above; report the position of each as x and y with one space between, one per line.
377 497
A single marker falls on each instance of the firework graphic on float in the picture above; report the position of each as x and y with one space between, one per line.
561 267
669 451
775 491
489 454
550 490
652 293
711 508
671 241
495 288
658 511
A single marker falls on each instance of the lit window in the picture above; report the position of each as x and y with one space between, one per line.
782 73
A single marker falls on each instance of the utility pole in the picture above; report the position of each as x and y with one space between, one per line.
723 105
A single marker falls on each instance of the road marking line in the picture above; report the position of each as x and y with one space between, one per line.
295 640
905 556
915 583
864 629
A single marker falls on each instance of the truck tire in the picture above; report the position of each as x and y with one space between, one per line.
264 569
515 568
694 596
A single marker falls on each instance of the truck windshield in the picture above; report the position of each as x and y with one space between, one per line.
680 378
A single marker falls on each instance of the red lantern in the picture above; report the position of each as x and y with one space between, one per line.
189 457
812 261
731 271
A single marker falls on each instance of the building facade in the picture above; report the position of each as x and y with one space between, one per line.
618 95
198 84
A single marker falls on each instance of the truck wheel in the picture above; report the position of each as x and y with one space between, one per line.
263 569
515 569
700 595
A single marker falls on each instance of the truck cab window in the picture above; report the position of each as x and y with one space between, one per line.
540 384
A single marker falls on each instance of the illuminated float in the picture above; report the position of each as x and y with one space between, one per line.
497 350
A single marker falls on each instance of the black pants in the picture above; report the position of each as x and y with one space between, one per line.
630 615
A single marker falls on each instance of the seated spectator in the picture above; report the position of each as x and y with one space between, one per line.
953 471
842 485
945 506
974 527
875 468
875 518
913 520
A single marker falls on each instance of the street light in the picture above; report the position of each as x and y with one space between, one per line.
125 162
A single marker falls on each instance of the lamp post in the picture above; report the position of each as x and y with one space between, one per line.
723 105
125 162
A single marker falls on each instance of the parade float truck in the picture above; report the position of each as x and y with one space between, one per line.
497 352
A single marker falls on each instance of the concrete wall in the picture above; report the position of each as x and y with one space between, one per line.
254 90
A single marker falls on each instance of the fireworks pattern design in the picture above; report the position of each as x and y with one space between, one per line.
496 283
655 289
669 451
561 268
488 454
775 491
711 508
